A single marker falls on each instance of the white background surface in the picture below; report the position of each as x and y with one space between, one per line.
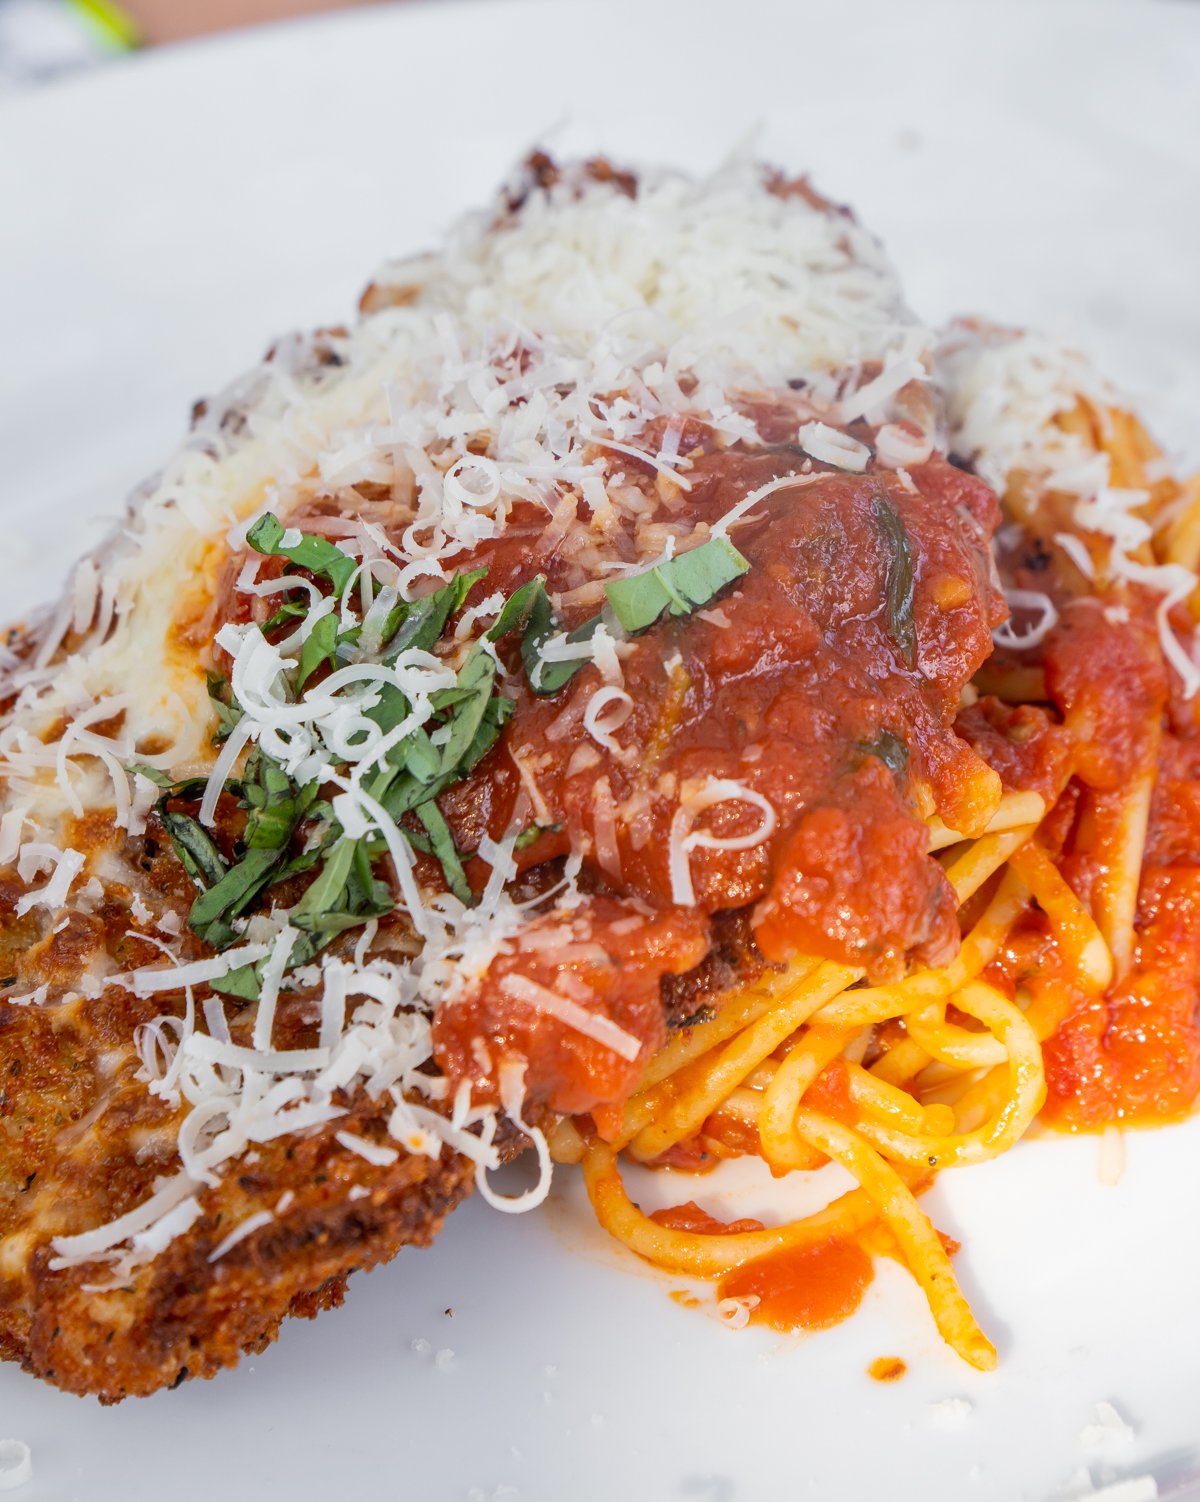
159 223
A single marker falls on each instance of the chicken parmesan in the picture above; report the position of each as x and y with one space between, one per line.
608 700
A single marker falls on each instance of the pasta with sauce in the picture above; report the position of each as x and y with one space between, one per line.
1074 989
636 693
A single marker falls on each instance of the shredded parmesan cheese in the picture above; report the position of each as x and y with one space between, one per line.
16 1464
553 357
831 446
1004 392
380 1157
592 1025
684 839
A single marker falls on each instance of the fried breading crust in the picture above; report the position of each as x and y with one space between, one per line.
81 1141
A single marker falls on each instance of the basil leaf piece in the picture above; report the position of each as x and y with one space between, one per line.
528 610
194 846
475 680
306 947
344 895
532 833
679 585
275 804
391 709
327 890
401 792
190 787
366 894
228 714
228 898
299 864
345 891
425 619
541 627
320 646
898 580
245 983
316 554
441 841
151 774
888 748
496 714
292 611
422 759
552 676
518 607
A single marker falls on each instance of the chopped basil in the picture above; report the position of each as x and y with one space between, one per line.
191 842
159 779
275 803
679 585
442 845
328 890
420 624
213 912
245 983
345 895
316 554
320 647
275 806
464 724
422 760
888 748
519 606
541 626
532 833
293 610
195 847
228 714
472 692
898 580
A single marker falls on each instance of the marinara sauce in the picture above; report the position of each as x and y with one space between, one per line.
824 682
1133 1053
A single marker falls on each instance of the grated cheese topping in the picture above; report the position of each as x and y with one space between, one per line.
1004 391
16 1464
684 838
1107 1428
550 350
524 360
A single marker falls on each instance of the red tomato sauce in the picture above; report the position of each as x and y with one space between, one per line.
602 958
690 1217
1132 1055
825 679
830 1093
802 1288
796 685
790 689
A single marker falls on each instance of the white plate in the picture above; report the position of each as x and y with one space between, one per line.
159 222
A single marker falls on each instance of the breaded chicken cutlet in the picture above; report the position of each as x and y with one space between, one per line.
448 720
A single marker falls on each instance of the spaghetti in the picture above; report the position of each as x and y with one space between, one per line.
944 1066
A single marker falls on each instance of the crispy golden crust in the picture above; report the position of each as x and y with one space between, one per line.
82 1141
